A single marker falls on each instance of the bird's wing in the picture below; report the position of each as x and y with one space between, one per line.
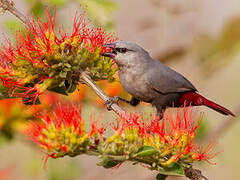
165 80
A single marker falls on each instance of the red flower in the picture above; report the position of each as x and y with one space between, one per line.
205 153
173 135
43 59
63 119
62 132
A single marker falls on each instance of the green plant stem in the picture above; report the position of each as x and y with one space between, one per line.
191 173
120 157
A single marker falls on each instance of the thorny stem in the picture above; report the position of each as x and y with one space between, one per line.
194 174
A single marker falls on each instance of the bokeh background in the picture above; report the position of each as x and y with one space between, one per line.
200 39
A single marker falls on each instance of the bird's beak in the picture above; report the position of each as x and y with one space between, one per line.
111 54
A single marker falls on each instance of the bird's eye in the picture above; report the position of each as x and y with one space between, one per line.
121 50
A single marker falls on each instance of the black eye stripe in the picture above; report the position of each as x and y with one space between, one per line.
121 50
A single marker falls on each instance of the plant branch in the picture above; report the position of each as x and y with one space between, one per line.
8 5
89 82
194 174
191 173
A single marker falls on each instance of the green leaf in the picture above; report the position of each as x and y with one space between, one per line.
161 176
174 169
63 74
59 90
108 163
146 151
72 88
31 101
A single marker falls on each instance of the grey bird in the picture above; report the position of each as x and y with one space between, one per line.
148 80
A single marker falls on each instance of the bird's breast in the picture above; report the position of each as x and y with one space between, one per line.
135 84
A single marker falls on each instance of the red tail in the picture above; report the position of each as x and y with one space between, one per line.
195 99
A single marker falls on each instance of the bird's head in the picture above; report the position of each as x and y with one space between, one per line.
125 53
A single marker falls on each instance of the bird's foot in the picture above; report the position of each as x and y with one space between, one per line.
111 101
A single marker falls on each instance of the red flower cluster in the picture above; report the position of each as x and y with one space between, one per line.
171 140
62 132
45 60
173 136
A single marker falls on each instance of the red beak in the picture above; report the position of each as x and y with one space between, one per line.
111 54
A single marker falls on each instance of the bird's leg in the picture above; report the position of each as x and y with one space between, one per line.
134 101
115 99
160 113
122 99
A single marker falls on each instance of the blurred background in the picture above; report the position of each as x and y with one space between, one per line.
200 39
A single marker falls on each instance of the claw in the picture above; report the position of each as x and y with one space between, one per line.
110 102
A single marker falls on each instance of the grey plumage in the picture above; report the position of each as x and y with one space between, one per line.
147 79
